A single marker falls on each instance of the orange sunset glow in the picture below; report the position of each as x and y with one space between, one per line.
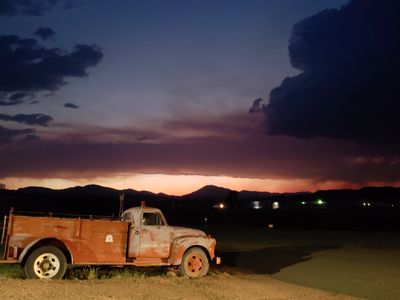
185 184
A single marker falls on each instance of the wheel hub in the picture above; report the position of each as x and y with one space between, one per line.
46 265
195 264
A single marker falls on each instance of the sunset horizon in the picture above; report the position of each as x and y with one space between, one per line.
179 185
265 96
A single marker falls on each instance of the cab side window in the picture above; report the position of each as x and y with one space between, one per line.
152 219
127 216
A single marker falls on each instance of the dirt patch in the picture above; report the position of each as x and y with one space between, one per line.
216 286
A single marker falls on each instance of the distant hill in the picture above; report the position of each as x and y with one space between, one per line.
369 207
209 192
249 195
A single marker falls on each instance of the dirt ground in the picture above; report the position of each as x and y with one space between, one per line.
215 286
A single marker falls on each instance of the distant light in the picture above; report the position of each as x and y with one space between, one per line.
320 202
364 204
368 204
275 205
256 205
220 205
303 203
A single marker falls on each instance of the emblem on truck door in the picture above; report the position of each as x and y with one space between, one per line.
109 238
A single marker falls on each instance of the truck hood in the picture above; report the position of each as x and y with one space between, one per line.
183 231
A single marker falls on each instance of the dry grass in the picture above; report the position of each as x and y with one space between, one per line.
88 272
91 273
10 271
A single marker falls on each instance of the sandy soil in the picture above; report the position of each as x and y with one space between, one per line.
215 286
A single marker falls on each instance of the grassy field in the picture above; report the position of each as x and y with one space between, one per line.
362 264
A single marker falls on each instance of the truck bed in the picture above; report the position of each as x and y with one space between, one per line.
91 241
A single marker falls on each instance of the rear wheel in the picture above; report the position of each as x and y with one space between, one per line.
46 262
194 263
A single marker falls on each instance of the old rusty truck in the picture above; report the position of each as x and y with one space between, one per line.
46 245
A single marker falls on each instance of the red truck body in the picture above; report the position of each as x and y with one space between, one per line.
141 238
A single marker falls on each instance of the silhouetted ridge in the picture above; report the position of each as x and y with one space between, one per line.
209 191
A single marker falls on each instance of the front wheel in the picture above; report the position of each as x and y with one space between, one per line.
194 263
46 262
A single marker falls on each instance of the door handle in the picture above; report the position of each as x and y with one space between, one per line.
136 232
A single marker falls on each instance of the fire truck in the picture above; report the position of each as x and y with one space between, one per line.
45 245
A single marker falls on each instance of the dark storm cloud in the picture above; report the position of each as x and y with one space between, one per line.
30 7
27 67
71 105
348 88
7 135
257 106
14 98
44 33
31 119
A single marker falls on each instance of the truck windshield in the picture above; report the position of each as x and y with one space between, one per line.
152 219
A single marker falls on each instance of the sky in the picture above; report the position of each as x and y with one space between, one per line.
169 96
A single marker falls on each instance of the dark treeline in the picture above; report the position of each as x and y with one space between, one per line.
367 208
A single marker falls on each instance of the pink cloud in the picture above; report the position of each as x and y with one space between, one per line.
230 146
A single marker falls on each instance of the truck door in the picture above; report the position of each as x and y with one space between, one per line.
155 236
133 241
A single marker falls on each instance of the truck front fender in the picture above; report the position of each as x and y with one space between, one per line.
181 244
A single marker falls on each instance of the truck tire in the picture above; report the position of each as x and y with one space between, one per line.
194 263
46 262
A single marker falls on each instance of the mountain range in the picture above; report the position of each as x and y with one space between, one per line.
27 198
367 207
